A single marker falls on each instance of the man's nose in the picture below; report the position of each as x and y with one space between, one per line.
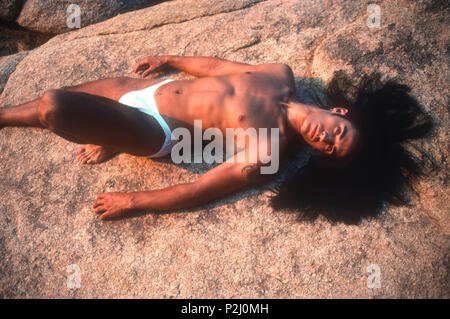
325 137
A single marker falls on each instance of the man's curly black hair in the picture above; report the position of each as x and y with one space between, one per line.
388 119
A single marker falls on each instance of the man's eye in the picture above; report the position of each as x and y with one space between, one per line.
329 148
337 131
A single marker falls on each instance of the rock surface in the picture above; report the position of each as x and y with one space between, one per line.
237 247
10 9
8 65
50 16
26 24
13 40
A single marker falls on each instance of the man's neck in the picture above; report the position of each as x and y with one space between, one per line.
297 113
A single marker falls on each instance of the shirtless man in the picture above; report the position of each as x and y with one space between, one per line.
224 95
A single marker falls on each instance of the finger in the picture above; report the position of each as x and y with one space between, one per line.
80 150
101 196
80 159
100 209
83 156
79 156
87 157
139 65
90 157
97 203
149 70
106 216
91 151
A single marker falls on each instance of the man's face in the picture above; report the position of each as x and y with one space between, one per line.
330 132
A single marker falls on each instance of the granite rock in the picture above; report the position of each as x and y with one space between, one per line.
10 9
52 16
7 66
14 39
236 247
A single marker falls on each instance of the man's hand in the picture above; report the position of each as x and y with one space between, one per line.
149 64
113 205
196 66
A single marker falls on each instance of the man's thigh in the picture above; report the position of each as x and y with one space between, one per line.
95 119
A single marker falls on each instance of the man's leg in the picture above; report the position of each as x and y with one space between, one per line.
113 88
81 117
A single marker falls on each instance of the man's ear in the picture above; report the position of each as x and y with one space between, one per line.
339 110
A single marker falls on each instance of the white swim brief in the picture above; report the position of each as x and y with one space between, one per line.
144 101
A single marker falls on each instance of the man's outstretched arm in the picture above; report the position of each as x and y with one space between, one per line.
202 66
218 182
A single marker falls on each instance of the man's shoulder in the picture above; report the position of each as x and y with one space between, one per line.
281 71
275 68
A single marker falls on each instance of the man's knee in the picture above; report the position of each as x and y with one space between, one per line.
50 107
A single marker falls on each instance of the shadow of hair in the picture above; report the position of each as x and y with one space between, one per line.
382 171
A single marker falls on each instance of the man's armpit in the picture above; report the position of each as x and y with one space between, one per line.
252 173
